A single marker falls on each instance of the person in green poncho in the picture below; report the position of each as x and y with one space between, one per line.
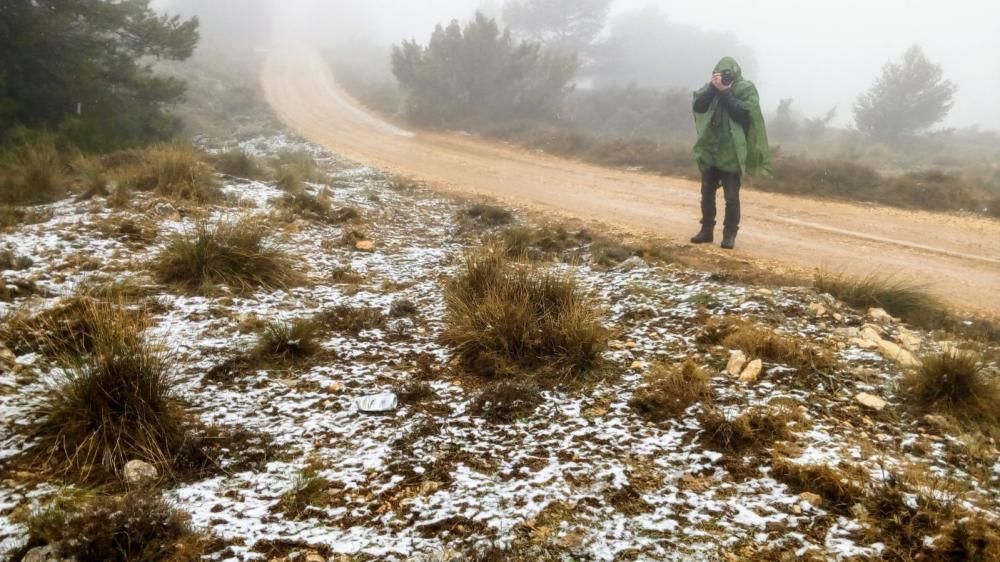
731 142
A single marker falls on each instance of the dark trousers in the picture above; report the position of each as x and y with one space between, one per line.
711 179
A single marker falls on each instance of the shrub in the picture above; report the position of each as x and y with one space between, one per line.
283 340
235 254
69 327
489 215
136 527
670 389
353 320
294 168
763 343
175 171
952 383
240 163
507 401
309 489
503 317
402 308
756 428
117 402
909 301
34 171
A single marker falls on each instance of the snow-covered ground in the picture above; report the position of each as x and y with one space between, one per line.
428 481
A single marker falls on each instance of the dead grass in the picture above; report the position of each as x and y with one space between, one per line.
955 384
32 171
504 317
241 164
403 308
137 527
68 327
352 320
899 297
669 390
284 341
117 401
759 342
308 491
176 171
755 429
507 401
488 215
294 169
236 254
840 487
414 392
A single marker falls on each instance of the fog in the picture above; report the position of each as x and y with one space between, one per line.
823 55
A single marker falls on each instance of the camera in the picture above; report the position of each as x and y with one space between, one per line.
727 77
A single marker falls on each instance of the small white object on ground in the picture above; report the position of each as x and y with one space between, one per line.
871 401
378 403
137 472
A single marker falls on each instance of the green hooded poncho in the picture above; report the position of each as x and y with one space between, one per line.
721 141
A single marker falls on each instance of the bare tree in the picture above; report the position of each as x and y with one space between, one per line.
908 97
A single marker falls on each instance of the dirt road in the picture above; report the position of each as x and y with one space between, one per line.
958 257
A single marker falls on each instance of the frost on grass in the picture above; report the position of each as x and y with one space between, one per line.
571 473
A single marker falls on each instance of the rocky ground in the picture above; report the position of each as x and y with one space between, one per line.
581 477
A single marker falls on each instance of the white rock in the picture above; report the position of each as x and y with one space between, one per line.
817 309
378 403
737 360
897 354
365 246
815 499
137 472
864 344
752 371
870 333
871 401
880 315
634 262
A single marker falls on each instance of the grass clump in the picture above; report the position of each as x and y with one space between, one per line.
756 428
241 164
309 490
759 342
898 297
954 384
507 401
670 389
117 401
233 253
32 171
173 170
488 215
136 527
504 317
70 327
282 341
352 320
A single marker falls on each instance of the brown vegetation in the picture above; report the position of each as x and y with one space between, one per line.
668 390
283 341
953 383
241 164
757 428
117 401
507 401
899 297
172 170
136 527
505 317
32 171
235 254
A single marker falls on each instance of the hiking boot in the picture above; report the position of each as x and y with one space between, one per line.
705 235
728 239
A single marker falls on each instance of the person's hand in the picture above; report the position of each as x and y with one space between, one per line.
717 82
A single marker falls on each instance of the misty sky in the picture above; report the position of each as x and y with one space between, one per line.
822 54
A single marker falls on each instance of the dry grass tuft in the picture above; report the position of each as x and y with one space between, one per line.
173 170
899 297
414 392
488 215
840 488
352 320
137 527
507 401
309 490
294 169
756 428
505 317
403 308
759 342
953 383
241 164
235 254
33 171
117 401
283 341
69 327
670 389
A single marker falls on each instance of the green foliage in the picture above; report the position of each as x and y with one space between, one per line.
908 97
477 74
82 67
